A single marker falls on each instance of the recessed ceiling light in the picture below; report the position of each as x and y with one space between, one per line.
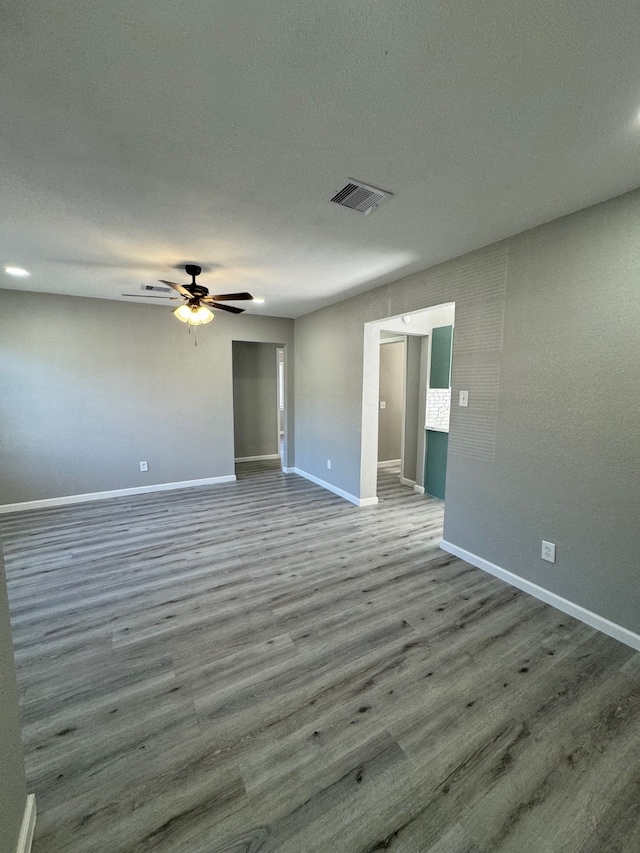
258 300
17 271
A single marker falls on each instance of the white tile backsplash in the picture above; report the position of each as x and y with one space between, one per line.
438 408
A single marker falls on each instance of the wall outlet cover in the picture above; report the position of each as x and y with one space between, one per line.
548 551
144 466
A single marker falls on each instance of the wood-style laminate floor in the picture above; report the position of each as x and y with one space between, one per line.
262 667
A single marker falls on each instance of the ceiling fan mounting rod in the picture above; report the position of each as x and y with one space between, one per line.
193 270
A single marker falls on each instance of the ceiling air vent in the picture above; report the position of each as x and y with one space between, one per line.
359 196
155 288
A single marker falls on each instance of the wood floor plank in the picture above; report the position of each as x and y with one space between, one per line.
261 667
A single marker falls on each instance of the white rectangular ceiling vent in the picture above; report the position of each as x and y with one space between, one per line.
359 196
155 288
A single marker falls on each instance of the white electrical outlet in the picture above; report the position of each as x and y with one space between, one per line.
383 404
144 466
548 551
329 464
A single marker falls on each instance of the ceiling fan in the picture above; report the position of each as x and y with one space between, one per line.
197 303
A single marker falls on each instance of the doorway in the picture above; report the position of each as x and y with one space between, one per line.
258 405
281 399
392 398
423 400
391 415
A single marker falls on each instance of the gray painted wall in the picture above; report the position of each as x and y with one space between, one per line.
255 399
13 785
392 393
547 343
328 388
90 387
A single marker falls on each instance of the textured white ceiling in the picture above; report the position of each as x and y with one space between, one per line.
137 136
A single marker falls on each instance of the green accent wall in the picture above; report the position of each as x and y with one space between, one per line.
441 340
435 468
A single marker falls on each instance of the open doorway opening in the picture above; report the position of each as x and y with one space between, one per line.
424 384
258 406
391 406
281 400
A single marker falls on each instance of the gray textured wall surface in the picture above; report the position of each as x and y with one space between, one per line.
90 387
255 399
328 383
392 357
13 785
547 343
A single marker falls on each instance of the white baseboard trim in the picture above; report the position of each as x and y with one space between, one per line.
624 635
25 838
331 488
419 490
256 458
115 493
389 463
407 482
368 501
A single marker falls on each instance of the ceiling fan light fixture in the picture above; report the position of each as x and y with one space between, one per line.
194 315
183 313
201 316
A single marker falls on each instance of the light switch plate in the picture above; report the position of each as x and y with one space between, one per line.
144 466
463 400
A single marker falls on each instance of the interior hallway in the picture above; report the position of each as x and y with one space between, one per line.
260 666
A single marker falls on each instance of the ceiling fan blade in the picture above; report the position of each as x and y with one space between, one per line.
178 287
231 297
147 296
230 308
